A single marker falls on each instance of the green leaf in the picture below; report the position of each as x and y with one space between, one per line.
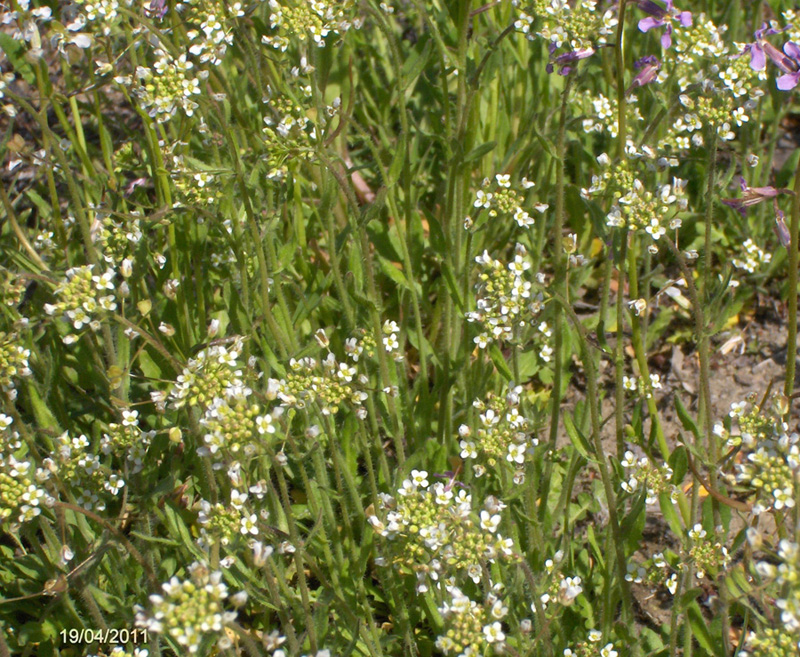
450 280
479 151
670 514
500 362
686 419
415 64
679 462
15 52
394 273
700 629
577 439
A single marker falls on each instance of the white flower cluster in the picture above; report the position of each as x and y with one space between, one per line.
129 439
642 473
578 26
501 434
189 609
504 297
752 258
21 494
601 113
471 627
497 198
328 382
296 20
212 373
438 531
83 298
167 87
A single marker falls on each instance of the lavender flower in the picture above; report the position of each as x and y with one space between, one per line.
660 16
781 230
648 67
759 48
790 65
751 196
568 58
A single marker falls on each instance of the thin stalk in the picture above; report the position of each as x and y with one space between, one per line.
559 286
620 57
791 333
641 351
605 474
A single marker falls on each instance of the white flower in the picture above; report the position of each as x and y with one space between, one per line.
516 453
419 478
608 651
264 424
490 522
494 632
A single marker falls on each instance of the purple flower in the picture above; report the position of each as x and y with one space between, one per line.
751 196
568 58
758 49
781 230
158 8
660 16
648 67
790 65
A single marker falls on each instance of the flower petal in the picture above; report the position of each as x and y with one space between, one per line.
788 81
666 38
792 49
758 60
647 24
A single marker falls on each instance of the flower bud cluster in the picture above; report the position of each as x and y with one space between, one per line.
21 496
294 21
168 86
504 297
75 464
644 474
128 440
497 198
212 373
190 609
783 581
12 288
233 424
328 383
578 26
13 362
770 463
708 556
83 299
501 434
436 531
288 133
471 628
118 240
771 642
225 523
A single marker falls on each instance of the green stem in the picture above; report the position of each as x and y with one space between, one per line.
559 286
791 333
